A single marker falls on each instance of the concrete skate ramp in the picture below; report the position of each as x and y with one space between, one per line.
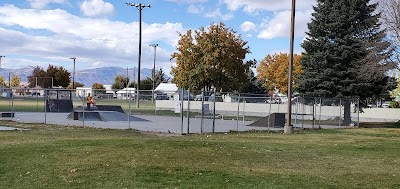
59 105
103 108
110 108
275 120
263 122
102 116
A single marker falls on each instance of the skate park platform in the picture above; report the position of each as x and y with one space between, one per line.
97 115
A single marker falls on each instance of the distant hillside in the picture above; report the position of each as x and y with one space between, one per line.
104 75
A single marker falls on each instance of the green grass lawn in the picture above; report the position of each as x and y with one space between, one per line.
76 157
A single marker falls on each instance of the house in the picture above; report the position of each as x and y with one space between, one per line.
5 91
168 89
110 93
82 91
126 93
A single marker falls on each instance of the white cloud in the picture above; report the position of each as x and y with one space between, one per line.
96 8
195 9
93 41
217 14
251 6
247 26
279 25
40 4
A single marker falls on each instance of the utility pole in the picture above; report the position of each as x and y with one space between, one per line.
154 67
288 128
73 75
140 7
1 56
127 77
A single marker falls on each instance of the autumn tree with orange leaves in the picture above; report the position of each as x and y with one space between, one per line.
273 71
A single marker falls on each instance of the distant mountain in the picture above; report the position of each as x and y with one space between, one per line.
23 73
104 75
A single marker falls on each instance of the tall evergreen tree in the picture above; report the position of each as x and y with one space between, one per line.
345 52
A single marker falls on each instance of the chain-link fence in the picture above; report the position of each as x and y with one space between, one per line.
194 111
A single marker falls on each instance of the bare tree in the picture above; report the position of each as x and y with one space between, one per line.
391 20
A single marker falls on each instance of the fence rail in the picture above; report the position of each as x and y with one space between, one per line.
197 111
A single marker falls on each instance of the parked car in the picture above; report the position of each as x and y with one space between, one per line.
386 104
198 97
161 97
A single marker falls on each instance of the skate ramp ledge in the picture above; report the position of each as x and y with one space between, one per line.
103 116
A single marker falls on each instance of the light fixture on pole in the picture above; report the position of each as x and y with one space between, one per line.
140 7
154 66
288 128
73 75
1 56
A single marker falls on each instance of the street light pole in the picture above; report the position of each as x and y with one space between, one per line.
154 66
288 128
73 76
140 7
1 56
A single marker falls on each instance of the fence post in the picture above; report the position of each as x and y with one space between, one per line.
269 115
130 110
313 114
202 110
37 100
320 112
303 112
340 113
238 112
181 107
297 111
45 105
358 113
83 107
12 104
244 106
215 96
188 112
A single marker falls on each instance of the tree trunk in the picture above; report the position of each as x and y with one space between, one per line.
347 116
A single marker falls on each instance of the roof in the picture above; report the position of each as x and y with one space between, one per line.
126 90
166 88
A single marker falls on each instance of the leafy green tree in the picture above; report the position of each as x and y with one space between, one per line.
160 77
210 57
120 82
58 75
253 84
61 76
34 79
133 84
346 54
146 84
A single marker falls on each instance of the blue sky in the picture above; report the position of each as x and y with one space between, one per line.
103 33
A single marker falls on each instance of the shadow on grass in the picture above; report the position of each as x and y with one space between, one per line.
380 125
